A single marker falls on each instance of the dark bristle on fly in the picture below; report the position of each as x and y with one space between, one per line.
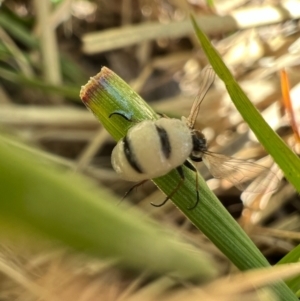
129 154
164 141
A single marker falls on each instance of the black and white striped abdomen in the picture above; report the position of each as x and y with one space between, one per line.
151 149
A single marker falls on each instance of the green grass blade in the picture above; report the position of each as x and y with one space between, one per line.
292 256
283 156
17 30
274 145
68 208
106 93
35 83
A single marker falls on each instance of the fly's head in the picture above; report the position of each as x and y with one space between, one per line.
199 145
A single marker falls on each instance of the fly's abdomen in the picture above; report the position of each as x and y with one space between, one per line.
151 149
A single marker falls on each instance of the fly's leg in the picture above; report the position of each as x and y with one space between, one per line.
127 117
181 174
192 168
132 188
162 115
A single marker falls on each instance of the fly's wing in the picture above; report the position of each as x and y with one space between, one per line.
207 77
246 176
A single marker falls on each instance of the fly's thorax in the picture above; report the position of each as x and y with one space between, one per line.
199 146
152 149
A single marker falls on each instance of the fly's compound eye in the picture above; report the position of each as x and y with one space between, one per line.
199 142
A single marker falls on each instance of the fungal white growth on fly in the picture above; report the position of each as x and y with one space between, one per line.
151 149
